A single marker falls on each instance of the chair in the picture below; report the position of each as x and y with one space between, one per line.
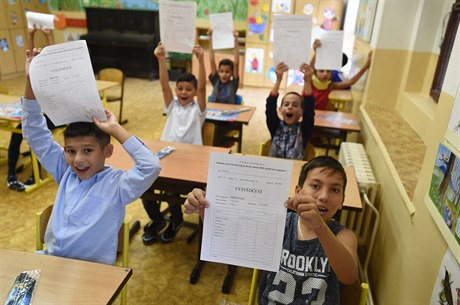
41 222
115 94
349 295
310 151
207 132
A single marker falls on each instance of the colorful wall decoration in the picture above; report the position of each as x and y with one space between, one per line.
446 290
453 128
254 60
443 198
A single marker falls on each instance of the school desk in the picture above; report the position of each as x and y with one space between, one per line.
243 116
341 99
63 280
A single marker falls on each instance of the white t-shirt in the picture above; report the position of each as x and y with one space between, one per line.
184 123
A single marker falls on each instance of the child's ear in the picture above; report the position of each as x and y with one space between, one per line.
297 189
108 150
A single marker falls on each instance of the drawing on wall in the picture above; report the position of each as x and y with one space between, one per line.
254 60
295 77
19 41
258 21
281 6
4 44
14 18
444 196
239 8
331 21
365 20
453 128
446 289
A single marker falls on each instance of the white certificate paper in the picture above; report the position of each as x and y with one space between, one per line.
177 25
291 40
222 31
63 82
39 20
244 224
329 55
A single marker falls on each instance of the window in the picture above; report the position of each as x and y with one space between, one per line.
446 49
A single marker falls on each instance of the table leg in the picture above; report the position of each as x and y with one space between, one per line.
228 281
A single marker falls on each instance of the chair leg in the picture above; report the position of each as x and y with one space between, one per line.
120 120
124 296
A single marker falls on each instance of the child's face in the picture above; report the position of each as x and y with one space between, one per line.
86 156
225 73
185 92
326 186
291 109
323 75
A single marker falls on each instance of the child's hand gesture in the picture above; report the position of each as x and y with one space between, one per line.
160 51
307 71
106 126
305 205
280 69
369 60
235 35
30 54
196 202
198 51
316 44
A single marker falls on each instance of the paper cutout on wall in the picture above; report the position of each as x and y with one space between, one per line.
4 44
281 6
444 196
446 289
295 77
453 128
258 22
20 41
14 18
254 60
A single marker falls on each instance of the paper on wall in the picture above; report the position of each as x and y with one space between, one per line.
63 82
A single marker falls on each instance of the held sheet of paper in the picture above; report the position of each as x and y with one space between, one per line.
63 82
329 55
244 224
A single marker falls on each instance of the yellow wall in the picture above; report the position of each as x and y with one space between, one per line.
409 248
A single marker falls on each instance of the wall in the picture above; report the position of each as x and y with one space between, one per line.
408 249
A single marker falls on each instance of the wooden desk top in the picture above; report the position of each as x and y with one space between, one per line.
63 280
105 84
341 95
336 120
188 163
7 98
352 197
243 117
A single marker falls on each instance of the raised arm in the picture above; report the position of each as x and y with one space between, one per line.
354 79
316 44
49 36
112 127
201 90
31 37
212 56
160 53
279 70
236 56
307 71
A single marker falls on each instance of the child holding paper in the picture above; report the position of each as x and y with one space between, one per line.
185 119
225 78
290 135
89 208
322 83
319 254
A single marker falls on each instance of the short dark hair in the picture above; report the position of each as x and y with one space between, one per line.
293 93
85 129
226 62
187 77
325 162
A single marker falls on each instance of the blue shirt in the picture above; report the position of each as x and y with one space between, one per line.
87 214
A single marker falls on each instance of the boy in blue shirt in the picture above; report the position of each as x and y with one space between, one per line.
89 208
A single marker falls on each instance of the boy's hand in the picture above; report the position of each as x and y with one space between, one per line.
106 126
305 205
316 44
196 202
29 57
198 51
280 69
307 71
210 33
369 60
235 35
160 51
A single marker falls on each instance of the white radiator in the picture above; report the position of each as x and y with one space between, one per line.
365 223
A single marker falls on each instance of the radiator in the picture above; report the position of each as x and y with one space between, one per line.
365 223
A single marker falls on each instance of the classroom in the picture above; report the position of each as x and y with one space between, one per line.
406 106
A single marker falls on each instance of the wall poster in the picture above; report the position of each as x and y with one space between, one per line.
365 20
443 198
446 290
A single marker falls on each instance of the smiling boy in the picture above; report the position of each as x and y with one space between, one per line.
289 136
89 208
